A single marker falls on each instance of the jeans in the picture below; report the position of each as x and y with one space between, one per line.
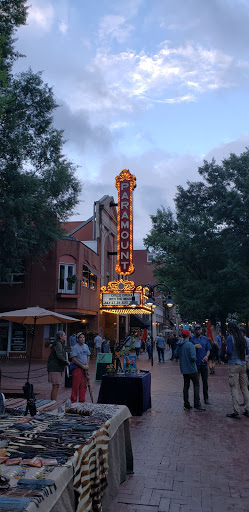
137 351
203 371
195 379
160 352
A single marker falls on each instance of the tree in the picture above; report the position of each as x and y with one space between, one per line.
38 186
203 248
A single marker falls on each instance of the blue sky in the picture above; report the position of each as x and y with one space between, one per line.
154 86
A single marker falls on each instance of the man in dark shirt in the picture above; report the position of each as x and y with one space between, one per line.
203 348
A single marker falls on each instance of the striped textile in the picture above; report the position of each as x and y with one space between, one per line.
91 468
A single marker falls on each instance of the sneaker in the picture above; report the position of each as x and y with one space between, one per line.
246 413
187 407
207 401
233 415
200 408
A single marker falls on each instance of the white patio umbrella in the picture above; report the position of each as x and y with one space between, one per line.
34 316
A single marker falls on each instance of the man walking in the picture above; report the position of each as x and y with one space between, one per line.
98 344
203 348
160 345
186 353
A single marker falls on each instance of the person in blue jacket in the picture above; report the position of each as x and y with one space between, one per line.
203 348
185 352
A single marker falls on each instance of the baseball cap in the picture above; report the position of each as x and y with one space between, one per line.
185 332
197 325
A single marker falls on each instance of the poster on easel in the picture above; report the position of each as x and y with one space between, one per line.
101 363
129 361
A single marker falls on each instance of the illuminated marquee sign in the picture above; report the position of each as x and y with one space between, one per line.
125 184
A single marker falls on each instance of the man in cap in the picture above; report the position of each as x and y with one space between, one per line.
186 353
203 348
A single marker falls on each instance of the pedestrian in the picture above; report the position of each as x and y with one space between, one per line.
213 356
73 339
236 352
160 345
243 332
186 353
172 343
105 346
79 367
98 344
218 342
148 346
203 348
56 363
137 344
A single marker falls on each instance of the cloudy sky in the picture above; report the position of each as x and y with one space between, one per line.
154 86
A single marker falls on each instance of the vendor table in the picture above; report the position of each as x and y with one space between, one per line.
132 391
101 463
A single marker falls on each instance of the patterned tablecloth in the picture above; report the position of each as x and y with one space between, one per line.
86 471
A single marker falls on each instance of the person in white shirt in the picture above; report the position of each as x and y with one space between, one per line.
98 344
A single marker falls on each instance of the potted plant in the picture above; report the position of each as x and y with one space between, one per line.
110 369
72 280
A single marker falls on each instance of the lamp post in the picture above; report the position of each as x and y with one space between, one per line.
151 302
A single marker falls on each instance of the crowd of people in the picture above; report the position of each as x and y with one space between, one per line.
197 354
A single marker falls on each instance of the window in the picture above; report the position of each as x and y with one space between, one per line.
150 257
67 278
85 276
93 281
15 278
89 279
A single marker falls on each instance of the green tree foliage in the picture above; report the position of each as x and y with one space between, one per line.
38 186
202 250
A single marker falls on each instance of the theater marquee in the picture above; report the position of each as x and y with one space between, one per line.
125 184
117 296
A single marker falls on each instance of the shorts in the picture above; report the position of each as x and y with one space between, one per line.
55 377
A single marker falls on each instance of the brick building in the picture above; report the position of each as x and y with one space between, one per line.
67 281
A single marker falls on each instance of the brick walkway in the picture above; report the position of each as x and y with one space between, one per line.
187 461
184 461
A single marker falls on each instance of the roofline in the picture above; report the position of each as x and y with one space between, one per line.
80 226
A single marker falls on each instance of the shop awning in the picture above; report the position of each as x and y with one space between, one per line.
135 321
93 270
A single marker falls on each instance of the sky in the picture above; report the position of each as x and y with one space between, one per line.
153 86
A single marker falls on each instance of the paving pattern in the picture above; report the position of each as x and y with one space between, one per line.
187 461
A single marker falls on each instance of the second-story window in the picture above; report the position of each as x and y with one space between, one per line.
85 276
93 281
67 278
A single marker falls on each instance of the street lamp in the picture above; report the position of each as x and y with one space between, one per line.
151 302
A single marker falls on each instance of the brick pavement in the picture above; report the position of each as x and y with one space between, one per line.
184 461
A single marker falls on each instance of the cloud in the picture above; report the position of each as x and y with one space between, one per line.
80 131
63 27
114 27
158 174
43 17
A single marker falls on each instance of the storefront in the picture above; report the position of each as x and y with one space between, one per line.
13 339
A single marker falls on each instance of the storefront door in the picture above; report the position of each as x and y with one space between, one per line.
4 337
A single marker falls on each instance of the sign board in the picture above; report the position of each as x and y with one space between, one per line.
119 299
18 340
102 362
125 183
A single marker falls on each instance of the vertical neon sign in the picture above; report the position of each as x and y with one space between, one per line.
125 183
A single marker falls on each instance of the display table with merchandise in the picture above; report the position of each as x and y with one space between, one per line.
66 462
132 390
